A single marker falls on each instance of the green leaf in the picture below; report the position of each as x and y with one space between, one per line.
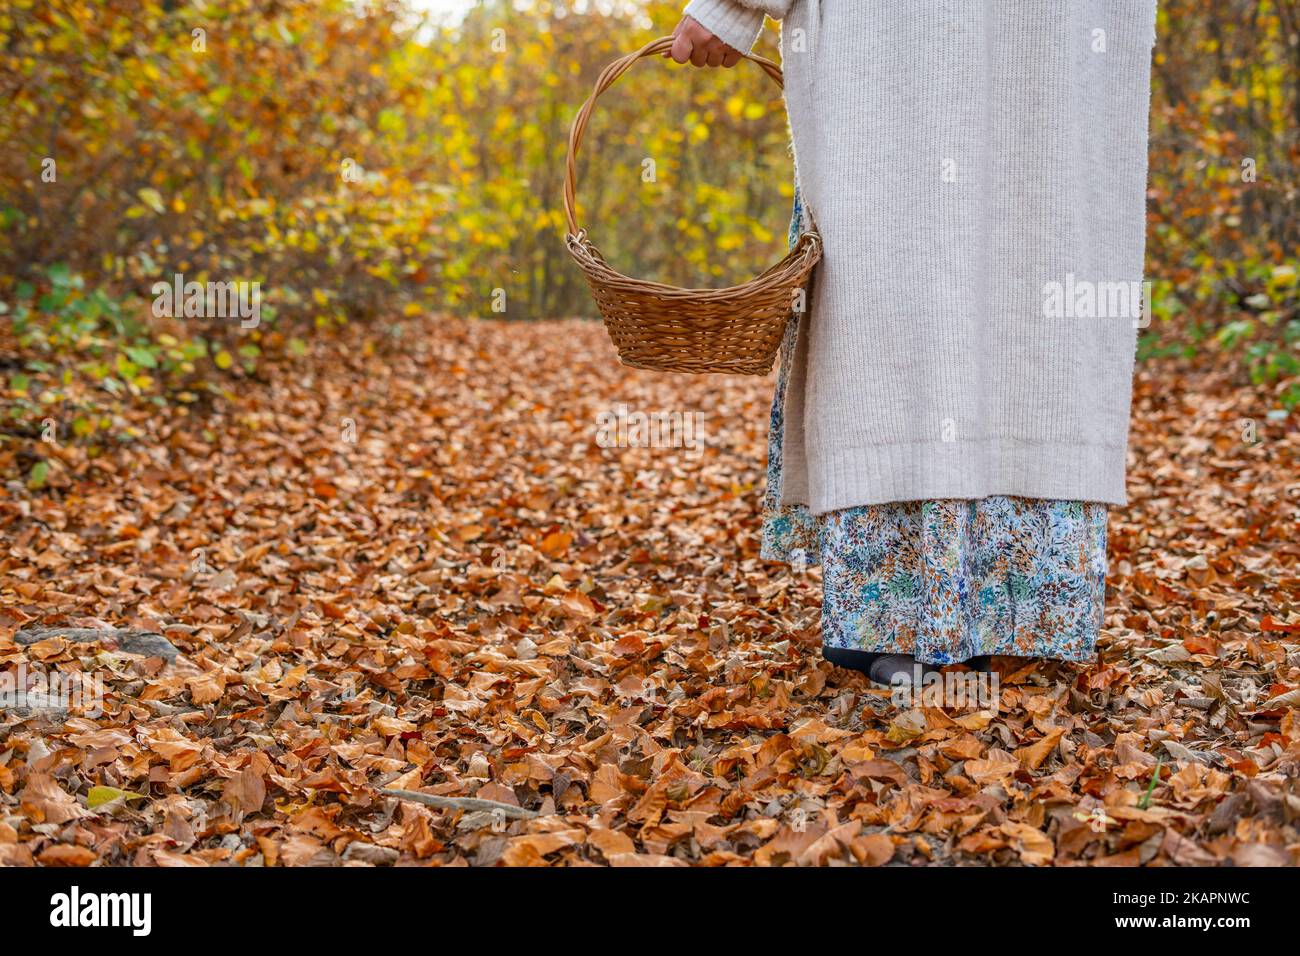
60 275
153 199
36 478
1155 778
142 357
125 367
98 796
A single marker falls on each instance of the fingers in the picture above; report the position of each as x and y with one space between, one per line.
683 45
700 53
693 44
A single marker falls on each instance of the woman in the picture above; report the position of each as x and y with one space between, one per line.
951 414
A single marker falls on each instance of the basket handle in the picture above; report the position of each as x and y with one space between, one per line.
604 82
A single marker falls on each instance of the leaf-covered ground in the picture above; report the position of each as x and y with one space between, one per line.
413 568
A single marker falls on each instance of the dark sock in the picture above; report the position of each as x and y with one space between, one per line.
849 659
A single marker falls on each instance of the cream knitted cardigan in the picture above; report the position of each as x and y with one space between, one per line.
977 170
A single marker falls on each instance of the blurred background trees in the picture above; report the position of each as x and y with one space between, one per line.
1224 187
365 163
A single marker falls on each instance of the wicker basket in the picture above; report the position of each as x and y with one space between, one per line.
656 326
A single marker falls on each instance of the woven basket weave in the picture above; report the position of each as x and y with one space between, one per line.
656 326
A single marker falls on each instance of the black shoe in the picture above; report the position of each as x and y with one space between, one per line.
849 659
881 669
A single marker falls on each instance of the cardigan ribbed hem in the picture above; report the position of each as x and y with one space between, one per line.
878 474
731 23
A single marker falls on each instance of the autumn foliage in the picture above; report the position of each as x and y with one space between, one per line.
364 165
467 634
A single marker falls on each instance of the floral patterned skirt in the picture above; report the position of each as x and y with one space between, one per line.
947 579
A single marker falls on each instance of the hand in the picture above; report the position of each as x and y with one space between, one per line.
694 44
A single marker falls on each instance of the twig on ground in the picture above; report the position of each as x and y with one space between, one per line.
460 803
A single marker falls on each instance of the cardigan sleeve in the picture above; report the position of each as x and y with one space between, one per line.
736 23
